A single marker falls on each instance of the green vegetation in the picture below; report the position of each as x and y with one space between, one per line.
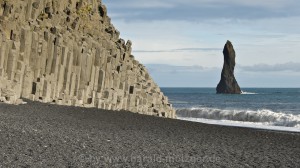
86 10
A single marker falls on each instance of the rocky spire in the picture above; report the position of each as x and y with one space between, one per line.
228 83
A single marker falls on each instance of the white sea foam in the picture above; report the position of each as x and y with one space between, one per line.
248 93
243 124
262 117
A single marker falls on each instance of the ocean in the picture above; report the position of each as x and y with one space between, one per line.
262 108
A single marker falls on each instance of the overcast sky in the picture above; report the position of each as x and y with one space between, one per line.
181 41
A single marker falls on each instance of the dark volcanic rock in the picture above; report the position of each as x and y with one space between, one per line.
228 84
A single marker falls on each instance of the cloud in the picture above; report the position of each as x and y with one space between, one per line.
289 67
198 10
176 33
183 76
178 50
198 76
164 68
198 3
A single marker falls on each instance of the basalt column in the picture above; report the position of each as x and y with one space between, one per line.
68 52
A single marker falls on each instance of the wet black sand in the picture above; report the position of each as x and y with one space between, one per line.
43 135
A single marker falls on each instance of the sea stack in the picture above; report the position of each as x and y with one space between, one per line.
228 83
69 53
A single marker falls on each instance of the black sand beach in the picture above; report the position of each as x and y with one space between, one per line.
43 135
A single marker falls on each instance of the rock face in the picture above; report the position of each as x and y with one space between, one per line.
228 84
68 52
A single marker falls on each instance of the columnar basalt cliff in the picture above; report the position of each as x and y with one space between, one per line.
68 52
228 83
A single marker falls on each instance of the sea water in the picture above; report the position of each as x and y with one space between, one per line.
267 108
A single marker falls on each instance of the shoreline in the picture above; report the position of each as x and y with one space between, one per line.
39 134
240 124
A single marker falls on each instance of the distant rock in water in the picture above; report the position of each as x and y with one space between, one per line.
228 84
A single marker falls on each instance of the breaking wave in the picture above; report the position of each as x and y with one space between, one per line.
264 116
250 93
